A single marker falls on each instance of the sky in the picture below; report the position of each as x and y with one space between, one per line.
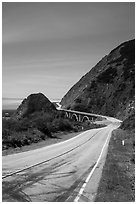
48 46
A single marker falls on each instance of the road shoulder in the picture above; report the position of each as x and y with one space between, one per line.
118 176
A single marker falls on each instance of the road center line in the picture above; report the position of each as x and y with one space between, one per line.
92 171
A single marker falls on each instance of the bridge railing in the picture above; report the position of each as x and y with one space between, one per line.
84 113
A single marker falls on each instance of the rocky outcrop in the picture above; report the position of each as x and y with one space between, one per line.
109 87
34 103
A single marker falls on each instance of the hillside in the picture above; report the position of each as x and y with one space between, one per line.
109 87
34 103
37 120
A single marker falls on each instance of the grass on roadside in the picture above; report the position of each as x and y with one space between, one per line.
118 177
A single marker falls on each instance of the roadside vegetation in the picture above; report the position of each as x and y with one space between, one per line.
37 127
118 178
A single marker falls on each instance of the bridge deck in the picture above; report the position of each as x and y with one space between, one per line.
82 113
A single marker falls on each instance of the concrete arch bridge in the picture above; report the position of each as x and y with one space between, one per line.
81 116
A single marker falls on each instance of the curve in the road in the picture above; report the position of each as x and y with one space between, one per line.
11 174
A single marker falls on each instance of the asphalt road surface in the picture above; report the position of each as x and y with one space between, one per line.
63 172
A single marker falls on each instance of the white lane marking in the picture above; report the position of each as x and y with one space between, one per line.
92 171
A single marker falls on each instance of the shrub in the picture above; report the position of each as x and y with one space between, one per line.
80 107
65 124
41 125
92 87
15 125
60 114
9 124
107 76
60 124
128 123
78 100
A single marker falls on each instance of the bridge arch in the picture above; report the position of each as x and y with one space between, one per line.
66 115
85 118
74 116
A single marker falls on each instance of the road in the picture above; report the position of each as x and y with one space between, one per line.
58 173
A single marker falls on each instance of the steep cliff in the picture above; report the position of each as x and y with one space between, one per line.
109 87
34 103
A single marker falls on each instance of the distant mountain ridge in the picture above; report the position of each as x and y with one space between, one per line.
109 87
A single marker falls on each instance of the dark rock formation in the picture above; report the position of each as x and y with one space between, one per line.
109 87
34 103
